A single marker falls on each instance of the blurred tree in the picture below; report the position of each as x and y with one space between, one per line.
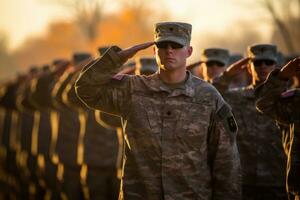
87 14
286 16
125 27
60 41
236 41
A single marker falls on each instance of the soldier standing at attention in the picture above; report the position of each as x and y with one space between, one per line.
179 132
258 140
275 99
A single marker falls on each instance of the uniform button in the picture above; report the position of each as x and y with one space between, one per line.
169 113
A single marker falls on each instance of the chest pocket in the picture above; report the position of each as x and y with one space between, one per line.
194 118
144 115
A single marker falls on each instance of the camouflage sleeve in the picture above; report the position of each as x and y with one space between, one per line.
99 86
269 99
69 96
223 150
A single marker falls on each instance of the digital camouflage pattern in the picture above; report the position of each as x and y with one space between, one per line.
258 140
180 143
173 31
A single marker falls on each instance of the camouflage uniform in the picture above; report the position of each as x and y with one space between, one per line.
273 99
180 143
259 143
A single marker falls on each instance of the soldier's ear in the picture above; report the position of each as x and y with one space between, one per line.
190 51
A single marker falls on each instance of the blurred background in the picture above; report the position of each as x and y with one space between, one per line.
34 32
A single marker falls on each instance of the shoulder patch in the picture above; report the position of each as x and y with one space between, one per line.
223 111
226 117
232 124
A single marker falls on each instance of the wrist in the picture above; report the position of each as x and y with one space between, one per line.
282 76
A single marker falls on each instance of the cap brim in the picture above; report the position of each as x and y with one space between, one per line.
171 39
264 58
215 59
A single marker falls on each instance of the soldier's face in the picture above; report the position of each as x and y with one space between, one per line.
260 69
171 56
212 69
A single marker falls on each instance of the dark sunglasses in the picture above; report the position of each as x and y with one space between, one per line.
165 45
214 63
258 63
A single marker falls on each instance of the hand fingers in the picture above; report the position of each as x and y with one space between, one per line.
243 61
131 51
142 46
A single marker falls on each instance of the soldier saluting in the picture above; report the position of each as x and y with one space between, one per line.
180 133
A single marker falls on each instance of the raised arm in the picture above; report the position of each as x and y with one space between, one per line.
273 98
222 82
100 86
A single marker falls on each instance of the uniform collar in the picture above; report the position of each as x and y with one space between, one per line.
187 88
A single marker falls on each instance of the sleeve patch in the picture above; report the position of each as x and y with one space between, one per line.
231 124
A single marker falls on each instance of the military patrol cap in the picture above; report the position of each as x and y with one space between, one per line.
33 69
146 65
79 57
177 32
102 50
262 52
215 54
60 61
46 68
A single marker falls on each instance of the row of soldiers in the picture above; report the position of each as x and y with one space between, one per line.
54 147
257 97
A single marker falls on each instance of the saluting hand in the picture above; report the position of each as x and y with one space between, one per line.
237 67
131 51
291 69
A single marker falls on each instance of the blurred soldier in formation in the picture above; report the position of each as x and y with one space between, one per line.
258 140
8 145
101 143
40 95
277 99
214 62
69 133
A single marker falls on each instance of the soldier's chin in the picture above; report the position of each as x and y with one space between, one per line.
263 77
168 67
